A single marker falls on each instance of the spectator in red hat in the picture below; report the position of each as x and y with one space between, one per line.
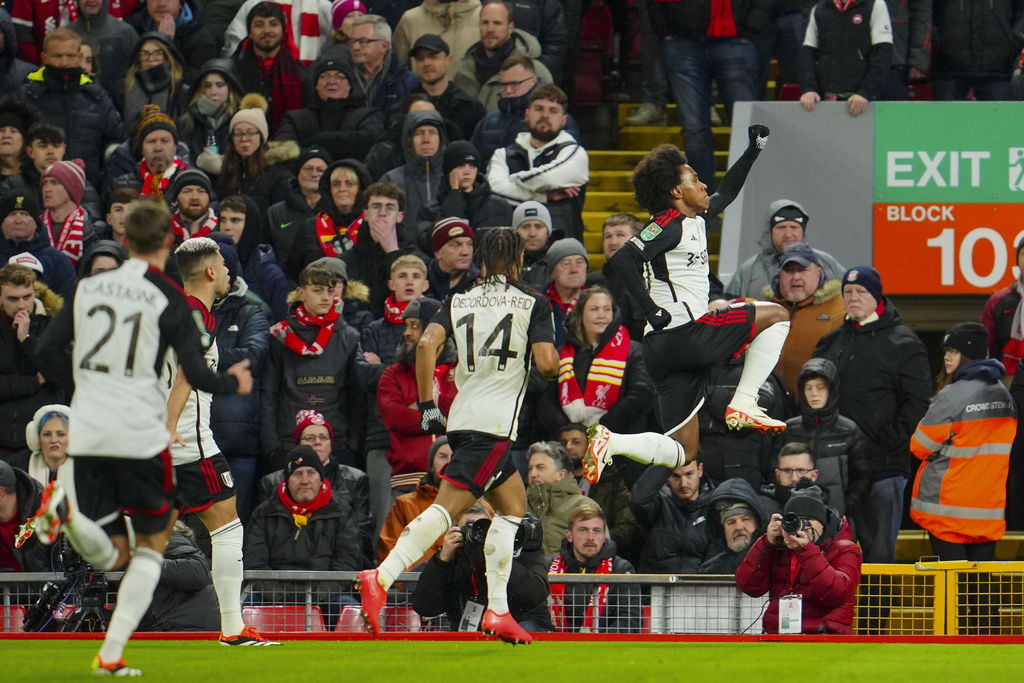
452 268
343 14
67 224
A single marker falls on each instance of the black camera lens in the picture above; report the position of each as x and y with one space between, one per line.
791 523
476 531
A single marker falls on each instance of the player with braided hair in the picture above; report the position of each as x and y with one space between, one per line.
498 326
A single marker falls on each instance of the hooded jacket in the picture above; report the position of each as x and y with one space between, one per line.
678 536
242 334
406 508
883 369
622 611
843 461
420 177
463 72
155 85
552 504
100 248
757 272
193 40
388 152
825 574
456 106
458 24
70 99
58 272
33 556
198 130
964 442
12 70
722 559
307 247
498 129
344 127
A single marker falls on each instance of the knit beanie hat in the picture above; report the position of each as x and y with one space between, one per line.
334 265
458 153
434 448
447 229
152 120
303 456
70 174
531 211
730 508
313 152
252 110
567 246
867 277
807 502
18 113
7 478
423 309
306 418
342 8
15 201
187 177
969 338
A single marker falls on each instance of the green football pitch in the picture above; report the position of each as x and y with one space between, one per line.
589 662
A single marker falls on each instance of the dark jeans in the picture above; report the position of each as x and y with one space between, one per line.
953 88
973 552
691 66
655 87
879 520
783 40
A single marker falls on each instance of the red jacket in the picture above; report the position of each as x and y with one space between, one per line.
396 392
825 575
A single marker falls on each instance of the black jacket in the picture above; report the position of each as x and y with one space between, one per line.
445 587
328 541
678 537
33 556
21 394
368 263
285 222
185 599
622 612
12 70
845 60
58 272
192 38
384 339
842 454
545 21
478 206
458 107
720 558
351 489
692 19
977 39
883 370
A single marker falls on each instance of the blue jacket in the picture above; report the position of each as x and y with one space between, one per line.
243 332
58 272
266 279
382 338
398 82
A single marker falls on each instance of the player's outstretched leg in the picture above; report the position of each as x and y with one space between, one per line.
416 538
762 355
499 546
133 599
649 448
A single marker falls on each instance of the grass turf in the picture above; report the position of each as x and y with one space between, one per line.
458 662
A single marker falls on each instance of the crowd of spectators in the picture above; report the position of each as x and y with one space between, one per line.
348 158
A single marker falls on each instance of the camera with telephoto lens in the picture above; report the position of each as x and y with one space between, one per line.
475 531
529 534
792 523
84 589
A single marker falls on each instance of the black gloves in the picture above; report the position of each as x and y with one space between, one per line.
659 318
758 135
432 421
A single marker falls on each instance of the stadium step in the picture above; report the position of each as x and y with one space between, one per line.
611 202
648 137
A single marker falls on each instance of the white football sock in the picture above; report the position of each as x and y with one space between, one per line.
762 356
133 599
649 448
416 539
498 549
227 575
91 541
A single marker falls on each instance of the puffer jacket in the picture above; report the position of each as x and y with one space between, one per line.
242 334
622 610
463 72
883 370
58 271
326 383
267 279
977 39
271 186
12 70
328 541
842 454
720 558
552 505
384 339
285 222
83 109
115 41
758 271
826 574
678 536
964 441
185 599
479 206
498 129
420 177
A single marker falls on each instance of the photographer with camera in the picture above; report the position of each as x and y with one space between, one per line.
19 499
807 553
453 581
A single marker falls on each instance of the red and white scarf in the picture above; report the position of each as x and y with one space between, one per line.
208 226
604 380
283 332
301 512
334 241
557 301
70 240
394 310
153 184
557 598
68 10
305 27
1014 349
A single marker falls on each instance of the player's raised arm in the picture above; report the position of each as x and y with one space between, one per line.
627 263
734 178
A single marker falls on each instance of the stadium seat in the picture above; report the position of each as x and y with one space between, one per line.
789 92
279 619
402 619
645 620
350 620
11 621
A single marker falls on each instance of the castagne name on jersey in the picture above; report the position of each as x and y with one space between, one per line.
117 289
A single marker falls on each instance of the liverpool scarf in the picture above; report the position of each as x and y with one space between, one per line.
335 241
604 380
70 240
208 226
556 301
301 512
283 332
394 310
305 31
155 184
557 598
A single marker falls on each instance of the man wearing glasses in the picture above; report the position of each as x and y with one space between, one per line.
795 461
383 77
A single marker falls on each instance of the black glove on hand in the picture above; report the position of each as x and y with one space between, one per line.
432 421
758 135
659 318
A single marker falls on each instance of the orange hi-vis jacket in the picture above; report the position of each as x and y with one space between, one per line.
964 440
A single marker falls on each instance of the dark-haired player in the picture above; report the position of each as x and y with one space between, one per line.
122 323
665 270
497 325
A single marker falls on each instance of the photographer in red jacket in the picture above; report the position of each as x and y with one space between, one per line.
807 551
